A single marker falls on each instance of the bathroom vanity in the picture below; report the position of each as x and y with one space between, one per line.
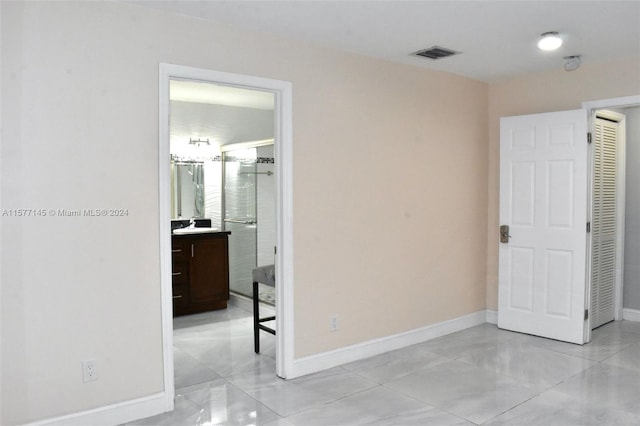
200 270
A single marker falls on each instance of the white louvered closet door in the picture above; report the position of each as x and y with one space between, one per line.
603 223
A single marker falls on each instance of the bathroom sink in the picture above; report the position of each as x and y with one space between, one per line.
184 231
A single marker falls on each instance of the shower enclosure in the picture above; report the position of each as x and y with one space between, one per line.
248 211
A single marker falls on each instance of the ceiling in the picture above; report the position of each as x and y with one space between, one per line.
208 93
497 38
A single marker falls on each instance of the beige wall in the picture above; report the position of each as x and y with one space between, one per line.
388 163
544 92
390 201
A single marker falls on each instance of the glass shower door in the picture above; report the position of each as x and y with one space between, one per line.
240 217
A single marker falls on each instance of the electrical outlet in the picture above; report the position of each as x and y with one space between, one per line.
333 323
89 370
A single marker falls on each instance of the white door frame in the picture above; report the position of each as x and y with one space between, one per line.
284 208
592 107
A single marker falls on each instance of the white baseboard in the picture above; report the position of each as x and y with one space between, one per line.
325 360
631 314
114 414
156 404
492 316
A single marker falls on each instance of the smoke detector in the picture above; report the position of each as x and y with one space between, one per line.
571 63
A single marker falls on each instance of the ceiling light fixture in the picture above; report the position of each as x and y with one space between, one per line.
571 62
549 41
198 141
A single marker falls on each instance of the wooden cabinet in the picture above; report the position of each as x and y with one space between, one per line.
179 272
200 272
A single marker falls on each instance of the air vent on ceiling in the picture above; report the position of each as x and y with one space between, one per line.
436 52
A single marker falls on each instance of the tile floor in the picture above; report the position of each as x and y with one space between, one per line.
482 376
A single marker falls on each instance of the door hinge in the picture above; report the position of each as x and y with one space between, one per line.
588 226
586 314
589 137
275 249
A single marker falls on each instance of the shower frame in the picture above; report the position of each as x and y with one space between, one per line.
223 205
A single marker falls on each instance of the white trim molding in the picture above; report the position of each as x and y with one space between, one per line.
621 102
325 360
114 414
631 314
492 316
156 404
164 215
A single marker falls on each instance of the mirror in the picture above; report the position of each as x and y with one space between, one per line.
187 190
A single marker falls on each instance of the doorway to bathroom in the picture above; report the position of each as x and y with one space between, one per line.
248 159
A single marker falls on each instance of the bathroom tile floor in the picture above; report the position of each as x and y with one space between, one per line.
481 375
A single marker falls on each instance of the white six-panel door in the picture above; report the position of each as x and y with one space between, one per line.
543 200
